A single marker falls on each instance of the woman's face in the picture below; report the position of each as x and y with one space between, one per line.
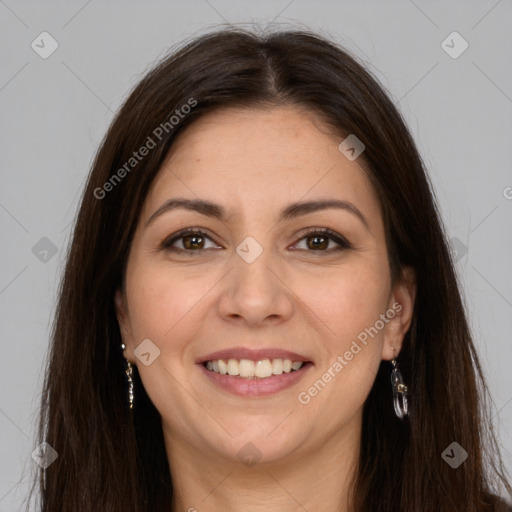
255 283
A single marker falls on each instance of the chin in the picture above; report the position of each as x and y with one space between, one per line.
258 439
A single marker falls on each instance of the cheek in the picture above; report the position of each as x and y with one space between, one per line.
165 308
352 350
349 301
159 301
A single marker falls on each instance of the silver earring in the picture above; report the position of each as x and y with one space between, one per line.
400 392
129 374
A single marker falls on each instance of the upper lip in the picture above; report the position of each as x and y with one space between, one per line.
252 354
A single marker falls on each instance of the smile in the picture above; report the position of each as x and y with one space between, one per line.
246 368
253 378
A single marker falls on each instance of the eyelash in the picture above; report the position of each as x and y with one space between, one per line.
342 242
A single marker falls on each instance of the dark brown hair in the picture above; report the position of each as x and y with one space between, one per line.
111 459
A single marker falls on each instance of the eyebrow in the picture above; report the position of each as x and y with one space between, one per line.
292 211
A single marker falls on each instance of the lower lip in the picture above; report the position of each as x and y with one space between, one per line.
256 387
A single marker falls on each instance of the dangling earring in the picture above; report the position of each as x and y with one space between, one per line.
399 392
129 373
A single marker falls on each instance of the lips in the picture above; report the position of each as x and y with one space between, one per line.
252 354
273 381
254 388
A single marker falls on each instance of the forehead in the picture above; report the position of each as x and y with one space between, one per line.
260 159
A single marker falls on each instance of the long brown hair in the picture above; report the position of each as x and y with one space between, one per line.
111 459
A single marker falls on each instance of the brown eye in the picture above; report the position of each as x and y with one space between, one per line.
189 240
318 240
193 241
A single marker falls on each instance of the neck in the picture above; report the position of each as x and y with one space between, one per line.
315 479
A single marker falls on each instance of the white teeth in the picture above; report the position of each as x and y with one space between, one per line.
223 367
277 366
253 369
263 369
246 368
233 367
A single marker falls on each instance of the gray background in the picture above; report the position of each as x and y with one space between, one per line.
55 112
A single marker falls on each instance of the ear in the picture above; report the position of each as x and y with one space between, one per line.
400 313
122 314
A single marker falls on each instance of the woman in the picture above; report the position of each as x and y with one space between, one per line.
259 308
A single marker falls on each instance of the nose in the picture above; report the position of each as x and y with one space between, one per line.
256 293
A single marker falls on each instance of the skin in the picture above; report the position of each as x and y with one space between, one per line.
308 300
